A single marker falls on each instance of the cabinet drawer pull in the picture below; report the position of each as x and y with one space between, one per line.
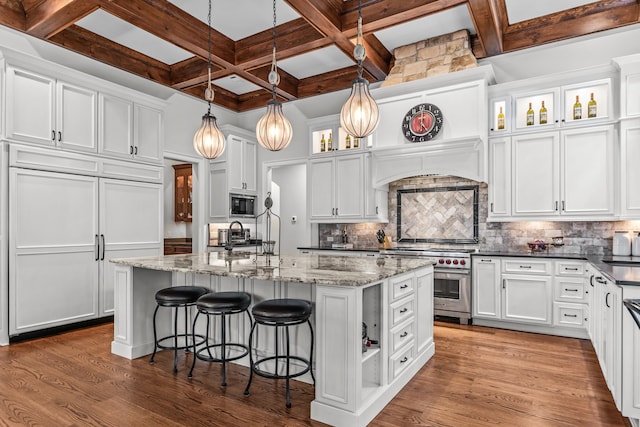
525 266
570 315
571 290
599 279
606 300
485 260
405 286
571 268
404 334
404 310
404 359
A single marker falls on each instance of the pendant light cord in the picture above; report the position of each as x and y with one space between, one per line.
274 77
208 93
359 52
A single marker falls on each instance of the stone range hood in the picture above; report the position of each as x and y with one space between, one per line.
460 148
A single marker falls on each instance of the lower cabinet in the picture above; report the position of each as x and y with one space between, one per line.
526 298
66 228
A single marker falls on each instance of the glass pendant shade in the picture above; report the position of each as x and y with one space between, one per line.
359 115
273 130
209 140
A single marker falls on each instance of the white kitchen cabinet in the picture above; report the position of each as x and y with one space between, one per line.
486 290
629 171
611 336
218 206
593 325
45 111
630 358
4 244
147 134
115 137
59 254
335 188
526 298
376 200
424 314
564 174
243 158
499 177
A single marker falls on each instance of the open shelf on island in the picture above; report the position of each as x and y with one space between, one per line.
371 351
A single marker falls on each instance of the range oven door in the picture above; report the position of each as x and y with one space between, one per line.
452 293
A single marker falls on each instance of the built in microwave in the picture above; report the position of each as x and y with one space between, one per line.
242 205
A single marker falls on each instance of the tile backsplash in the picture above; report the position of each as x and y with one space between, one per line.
585 237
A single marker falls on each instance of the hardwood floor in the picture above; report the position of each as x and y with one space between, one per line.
478 377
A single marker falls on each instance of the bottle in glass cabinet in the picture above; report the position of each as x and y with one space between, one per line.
543 114
577 109
530 116
356 142
592 107
500 119
323 144
330 143
347 142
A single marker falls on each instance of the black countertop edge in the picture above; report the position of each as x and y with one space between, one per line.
354 249
624 275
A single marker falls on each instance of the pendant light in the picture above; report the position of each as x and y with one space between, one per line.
209 140
359 115
273 130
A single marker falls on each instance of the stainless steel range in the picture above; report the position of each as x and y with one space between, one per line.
451 281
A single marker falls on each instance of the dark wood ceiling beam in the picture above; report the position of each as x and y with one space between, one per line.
488 25
328 82
12 15
193 71
94 46
575 22
50 17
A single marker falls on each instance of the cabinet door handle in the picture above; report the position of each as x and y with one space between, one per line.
404 334
131 149
53 135
525 266
504 283
563 206
556 205
97 244
591 279
599 279
336 211
404 310
103 247
404 359
135 150
606 300
570 315
570 290
376 210
59 136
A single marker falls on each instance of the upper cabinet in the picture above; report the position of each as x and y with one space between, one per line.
326 136
243 155
90 116
45 111
183 191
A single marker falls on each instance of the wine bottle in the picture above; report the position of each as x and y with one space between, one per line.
329 143
530 116
323 144
543 114
592 107
356 142
347 142
500 119
577 109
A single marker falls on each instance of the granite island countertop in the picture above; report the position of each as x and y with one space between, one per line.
312 269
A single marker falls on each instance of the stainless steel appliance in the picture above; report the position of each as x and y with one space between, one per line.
242 205
451 279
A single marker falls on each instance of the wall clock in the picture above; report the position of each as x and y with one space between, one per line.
422 123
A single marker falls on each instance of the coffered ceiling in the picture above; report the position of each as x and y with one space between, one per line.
166 41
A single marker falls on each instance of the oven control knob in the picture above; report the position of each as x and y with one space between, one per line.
462 262
448 261
440 261
455 261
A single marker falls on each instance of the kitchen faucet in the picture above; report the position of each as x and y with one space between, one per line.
229 245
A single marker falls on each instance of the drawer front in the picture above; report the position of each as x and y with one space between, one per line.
570 268
402 310
401 361
524 265
402 334
401 286
570 315
570 289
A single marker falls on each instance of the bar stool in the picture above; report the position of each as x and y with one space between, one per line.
176 297
281 313
220 304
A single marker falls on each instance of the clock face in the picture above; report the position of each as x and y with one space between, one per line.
422 123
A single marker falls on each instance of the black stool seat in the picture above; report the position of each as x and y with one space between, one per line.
176 297
282 311
224 302
220 304
179 295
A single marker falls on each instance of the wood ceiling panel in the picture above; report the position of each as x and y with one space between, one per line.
322 23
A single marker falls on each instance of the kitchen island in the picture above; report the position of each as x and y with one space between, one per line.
392 296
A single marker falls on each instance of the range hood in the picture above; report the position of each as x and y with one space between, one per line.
463 157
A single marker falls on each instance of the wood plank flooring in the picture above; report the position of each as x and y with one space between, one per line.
478 377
